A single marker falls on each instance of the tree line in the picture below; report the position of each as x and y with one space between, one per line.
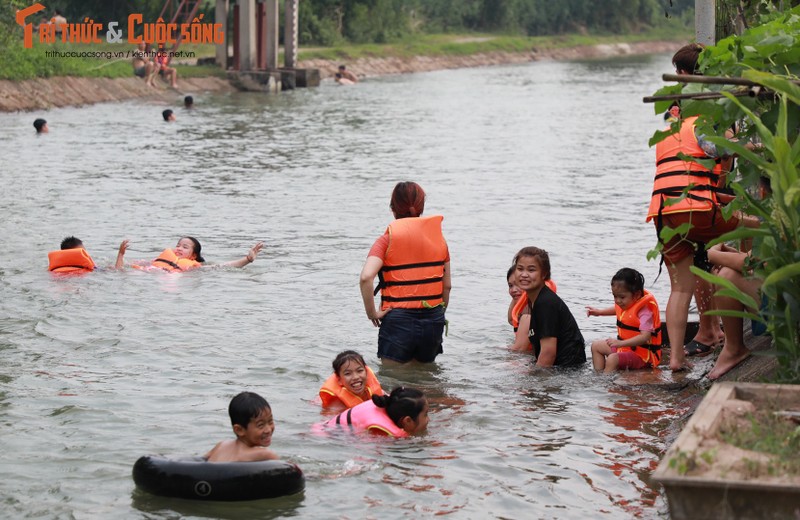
329 22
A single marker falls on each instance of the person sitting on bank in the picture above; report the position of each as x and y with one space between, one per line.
164 70
41 126
143 66
346 74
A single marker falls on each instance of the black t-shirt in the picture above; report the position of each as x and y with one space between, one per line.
550 318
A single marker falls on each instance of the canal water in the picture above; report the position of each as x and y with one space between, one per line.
101 369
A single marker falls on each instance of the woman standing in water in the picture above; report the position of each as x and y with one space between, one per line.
412 263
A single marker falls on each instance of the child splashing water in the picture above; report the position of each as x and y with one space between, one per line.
638 341
351 383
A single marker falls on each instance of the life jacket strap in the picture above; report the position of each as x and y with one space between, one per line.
173 264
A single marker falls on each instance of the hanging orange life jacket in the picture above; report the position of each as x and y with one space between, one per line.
628 327
367 417
169 261
522 302
413 268
70 261
674 175
332 390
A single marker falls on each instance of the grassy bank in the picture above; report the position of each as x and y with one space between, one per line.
107 60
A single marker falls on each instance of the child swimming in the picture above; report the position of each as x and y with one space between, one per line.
253 424
638 341
73 258
402 413
351 383
186 255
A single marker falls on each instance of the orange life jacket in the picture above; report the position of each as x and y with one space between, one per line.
522 302
413 268
169 261
674 175
332 390
628 327
70 261
367 417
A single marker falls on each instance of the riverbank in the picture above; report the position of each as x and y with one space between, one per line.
46 93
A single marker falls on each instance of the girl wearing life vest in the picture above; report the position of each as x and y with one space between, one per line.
402 413
638 341
554 333
518 315
351 383
185 256
412 262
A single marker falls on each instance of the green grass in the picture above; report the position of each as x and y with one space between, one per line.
768 432
18 63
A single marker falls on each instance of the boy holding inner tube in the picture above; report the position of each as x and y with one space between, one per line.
251 417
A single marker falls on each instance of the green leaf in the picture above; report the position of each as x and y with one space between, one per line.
783 273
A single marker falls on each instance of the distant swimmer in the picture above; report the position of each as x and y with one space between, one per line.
41 126
346 74
341 80
186 256
168 115
188 102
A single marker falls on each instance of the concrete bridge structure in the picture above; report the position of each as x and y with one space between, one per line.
255 40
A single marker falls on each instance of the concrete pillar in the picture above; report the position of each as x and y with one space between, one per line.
261 33
271 11
247 34
705 21
290 34
221 16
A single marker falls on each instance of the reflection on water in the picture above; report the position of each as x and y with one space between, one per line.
101 369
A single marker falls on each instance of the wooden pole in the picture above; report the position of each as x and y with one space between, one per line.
713 80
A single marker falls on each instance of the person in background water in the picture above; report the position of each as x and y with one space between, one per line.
168 115
253 425
554 333
188 102
402 413
41 126
413 263
73 257
351 383
186 255
346 74
638 341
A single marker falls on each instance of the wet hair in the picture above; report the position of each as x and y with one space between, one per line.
71 243
344 357
632 279
341 67
537 253
38 124
686 58
402 402
197 248
188 101
166 113
408 200
245 407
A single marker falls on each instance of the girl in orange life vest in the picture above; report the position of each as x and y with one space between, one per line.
518 317
554 334
402 413
413 263
186 256
351 383
638 341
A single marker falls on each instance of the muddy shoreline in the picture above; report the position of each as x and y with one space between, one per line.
46 93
